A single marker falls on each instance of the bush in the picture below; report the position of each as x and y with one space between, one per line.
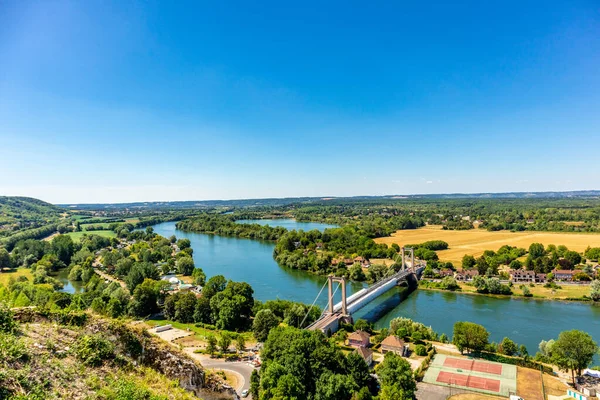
420 350
93 350
7 321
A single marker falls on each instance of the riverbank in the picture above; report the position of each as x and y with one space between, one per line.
538 292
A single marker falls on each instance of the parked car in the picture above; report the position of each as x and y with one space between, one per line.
245 393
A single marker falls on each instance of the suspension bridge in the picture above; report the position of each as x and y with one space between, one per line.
342 312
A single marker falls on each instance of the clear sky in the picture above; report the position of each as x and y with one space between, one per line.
123 101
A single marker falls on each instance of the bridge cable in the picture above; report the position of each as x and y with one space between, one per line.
312 305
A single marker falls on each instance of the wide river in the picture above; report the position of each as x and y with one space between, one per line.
526 321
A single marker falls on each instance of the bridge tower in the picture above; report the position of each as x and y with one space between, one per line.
403 251
342 282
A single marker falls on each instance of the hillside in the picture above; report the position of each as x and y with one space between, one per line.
78 356
21 213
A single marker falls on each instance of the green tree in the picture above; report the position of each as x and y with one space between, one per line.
396 378
144 300
199 277
185 266
573 350
264 321
573 257
214 285
240 343
211 344
358 369
468 261
4 259
184 244
536 250
185 307
224 342
63 247
469 336
508 347
595 290
7 321
332 386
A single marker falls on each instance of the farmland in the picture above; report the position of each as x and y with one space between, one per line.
476 241
76 236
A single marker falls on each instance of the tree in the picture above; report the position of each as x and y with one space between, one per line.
573 257
7 321
63 247
199 277
508 347
144 300
595 290
185 307
396 378
331 386
185 266
184 244
468 261
211 344
224 342
264 321
573 350
469 336
240 344
358 369
4 259
214 285
536 250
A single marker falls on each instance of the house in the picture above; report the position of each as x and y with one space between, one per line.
362 261
520 276
395 345
541 278
563 275
446 272
466 275
366 354
359 339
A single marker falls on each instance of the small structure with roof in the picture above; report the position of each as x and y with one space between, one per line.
366 354
359 339
395 345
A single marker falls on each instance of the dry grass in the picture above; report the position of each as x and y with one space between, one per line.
475 241
529 384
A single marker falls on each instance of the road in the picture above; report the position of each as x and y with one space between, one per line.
242 369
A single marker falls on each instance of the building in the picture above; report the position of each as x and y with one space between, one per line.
366 354
522 276
362 261
466 275
541 278
359 339
446 272
563 275
395 345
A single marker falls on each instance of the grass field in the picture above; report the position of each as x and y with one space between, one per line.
475 241
100 224
76 236
529 384
566 291
5 276
200 333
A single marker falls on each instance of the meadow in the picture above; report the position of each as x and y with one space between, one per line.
5 276
475 241
76 236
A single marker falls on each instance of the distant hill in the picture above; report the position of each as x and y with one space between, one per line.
293 200
22 213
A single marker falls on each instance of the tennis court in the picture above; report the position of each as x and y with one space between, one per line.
471 374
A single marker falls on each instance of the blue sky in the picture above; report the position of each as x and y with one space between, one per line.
133 101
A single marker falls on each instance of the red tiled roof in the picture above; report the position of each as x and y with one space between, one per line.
393 341
364 352
359 335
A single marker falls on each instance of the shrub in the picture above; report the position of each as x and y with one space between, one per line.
93 350
420 350
7 321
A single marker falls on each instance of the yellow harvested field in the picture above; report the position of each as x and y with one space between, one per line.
476 241
6 275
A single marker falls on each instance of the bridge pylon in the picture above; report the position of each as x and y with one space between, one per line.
342 282
403 251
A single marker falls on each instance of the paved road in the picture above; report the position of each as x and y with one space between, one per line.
242 369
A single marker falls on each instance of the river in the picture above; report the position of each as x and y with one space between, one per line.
526 321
